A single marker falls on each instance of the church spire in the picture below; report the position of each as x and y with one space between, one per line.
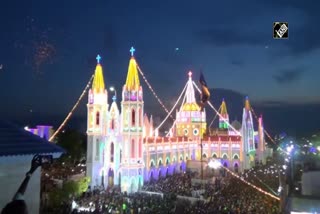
98 81
247 105
190 90
223 108
224 117
132 82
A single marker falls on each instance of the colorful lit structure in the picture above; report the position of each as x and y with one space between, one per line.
43 131
124 148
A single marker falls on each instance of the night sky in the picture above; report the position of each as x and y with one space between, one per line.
48 50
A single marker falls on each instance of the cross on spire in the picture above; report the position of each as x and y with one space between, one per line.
98 58
132 50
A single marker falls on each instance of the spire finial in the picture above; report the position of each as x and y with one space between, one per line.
190 74
98 58
132 50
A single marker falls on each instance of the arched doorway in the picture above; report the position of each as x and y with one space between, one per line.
110 177
167 172
236 167
102 178
151 176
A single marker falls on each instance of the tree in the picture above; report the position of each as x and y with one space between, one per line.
68 190
73 142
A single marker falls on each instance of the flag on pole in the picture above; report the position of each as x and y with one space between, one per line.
205 93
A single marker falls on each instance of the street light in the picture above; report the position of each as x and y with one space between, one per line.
113 89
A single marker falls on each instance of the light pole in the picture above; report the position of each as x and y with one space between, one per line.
113 89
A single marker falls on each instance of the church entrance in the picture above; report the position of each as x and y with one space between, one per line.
102 178
236 167
110 177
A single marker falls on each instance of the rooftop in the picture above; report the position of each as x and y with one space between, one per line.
16 141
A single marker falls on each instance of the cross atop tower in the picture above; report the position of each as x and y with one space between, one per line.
98 58
132 50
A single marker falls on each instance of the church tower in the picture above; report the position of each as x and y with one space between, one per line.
190 121
112 147
96 129
131 167
262 144
224 118
247 132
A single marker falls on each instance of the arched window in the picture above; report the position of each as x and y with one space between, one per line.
167 161
112 124
112 152
97 118
132 148
140 117
133 117
140 148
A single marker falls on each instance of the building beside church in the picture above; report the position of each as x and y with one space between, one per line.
124 147
43 131
17 148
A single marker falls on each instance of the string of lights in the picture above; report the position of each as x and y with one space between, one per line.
72 110
173 108
153 92
266 185
174 123
265 131
214 118
209 103
250 184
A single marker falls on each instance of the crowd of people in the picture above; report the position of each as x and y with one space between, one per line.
174 194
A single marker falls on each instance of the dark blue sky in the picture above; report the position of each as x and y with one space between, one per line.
48 49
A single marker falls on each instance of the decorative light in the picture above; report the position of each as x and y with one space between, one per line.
250 184
209 103
153 92
173 108
215 164
72 110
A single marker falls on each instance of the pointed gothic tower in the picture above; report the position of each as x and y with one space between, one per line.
132 165
96 130
112 147
247 132
190 121
262 144
224 118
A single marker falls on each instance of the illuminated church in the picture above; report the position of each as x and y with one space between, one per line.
124 148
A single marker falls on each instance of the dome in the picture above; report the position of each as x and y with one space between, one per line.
236 124
190 107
